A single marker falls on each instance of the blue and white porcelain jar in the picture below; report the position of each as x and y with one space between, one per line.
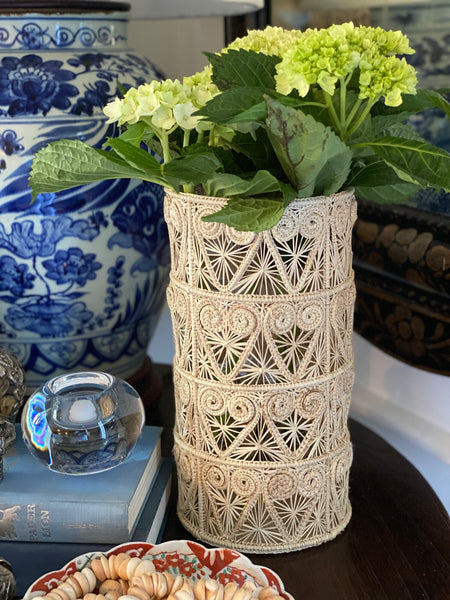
83 272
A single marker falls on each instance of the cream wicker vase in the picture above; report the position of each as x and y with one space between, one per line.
263 373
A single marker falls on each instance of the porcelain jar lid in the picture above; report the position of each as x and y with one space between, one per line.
67 6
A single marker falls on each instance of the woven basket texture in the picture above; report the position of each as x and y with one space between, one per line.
263 373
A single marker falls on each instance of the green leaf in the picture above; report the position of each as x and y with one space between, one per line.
192 168
303 147
249 214
373 174
243 68
257 148
68 163
414 103
225 185
382 123
387 194
334 173
134 134
138 158
255 113
414 161
224 107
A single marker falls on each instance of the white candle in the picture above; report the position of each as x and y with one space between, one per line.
82 411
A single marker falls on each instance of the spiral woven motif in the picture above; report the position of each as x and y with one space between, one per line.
263 373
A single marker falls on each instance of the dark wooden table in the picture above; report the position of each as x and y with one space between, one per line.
396 547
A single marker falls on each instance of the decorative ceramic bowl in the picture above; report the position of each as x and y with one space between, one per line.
179 557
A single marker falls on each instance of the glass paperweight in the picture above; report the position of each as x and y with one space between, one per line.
82 423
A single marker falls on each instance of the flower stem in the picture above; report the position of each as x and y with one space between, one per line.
164 139
361 118
186 136
332 111
343 94
353 112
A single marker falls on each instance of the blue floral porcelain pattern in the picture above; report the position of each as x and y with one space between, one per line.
82 272
43 33
427 26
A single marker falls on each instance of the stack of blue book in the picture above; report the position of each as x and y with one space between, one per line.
47 519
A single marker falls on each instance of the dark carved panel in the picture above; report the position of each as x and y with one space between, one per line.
402 274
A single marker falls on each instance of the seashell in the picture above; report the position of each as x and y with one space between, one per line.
90 596
62 595
242 594
200 590
114 560
90 576
268 593
128 597
105 564
82 582
113 595
122 568
170 579
132 565
110 585
146 566
66 587
133 590
211 588
125 585
249 585
229 590
145 582
176 584
159 584
220 592
98 570
184 595
112 566
51 596
76 586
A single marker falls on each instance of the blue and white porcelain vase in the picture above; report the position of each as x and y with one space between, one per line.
83 272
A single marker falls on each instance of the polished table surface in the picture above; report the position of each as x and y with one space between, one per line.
396 547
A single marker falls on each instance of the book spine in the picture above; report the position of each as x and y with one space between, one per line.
64 522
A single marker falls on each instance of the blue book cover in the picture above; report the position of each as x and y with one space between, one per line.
37 504
30 560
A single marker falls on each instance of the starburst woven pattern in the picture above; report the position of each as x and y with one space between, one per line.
263 373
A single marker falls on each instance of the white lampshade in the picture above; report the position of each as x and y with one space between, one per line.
173 9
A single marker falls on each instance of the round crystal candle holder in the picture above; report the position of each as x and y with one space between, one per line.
82 423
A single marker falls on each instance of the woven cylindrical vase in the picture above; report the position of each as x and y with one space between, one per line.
263 373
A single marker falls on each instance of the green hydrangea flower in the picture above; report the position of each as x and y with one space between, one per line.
326 56
271 40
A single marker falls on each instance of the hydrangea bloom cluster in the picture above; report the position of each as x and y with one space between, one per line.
326 56
165 105
271 40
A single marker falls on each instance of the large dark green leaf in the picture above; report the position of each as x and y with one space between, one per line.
68 163
225 107
136 157
243 68
414 161
373 174
387 194
303 147
191 168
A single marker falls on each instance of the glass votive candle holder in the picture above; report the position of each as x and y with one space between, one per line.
82 423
